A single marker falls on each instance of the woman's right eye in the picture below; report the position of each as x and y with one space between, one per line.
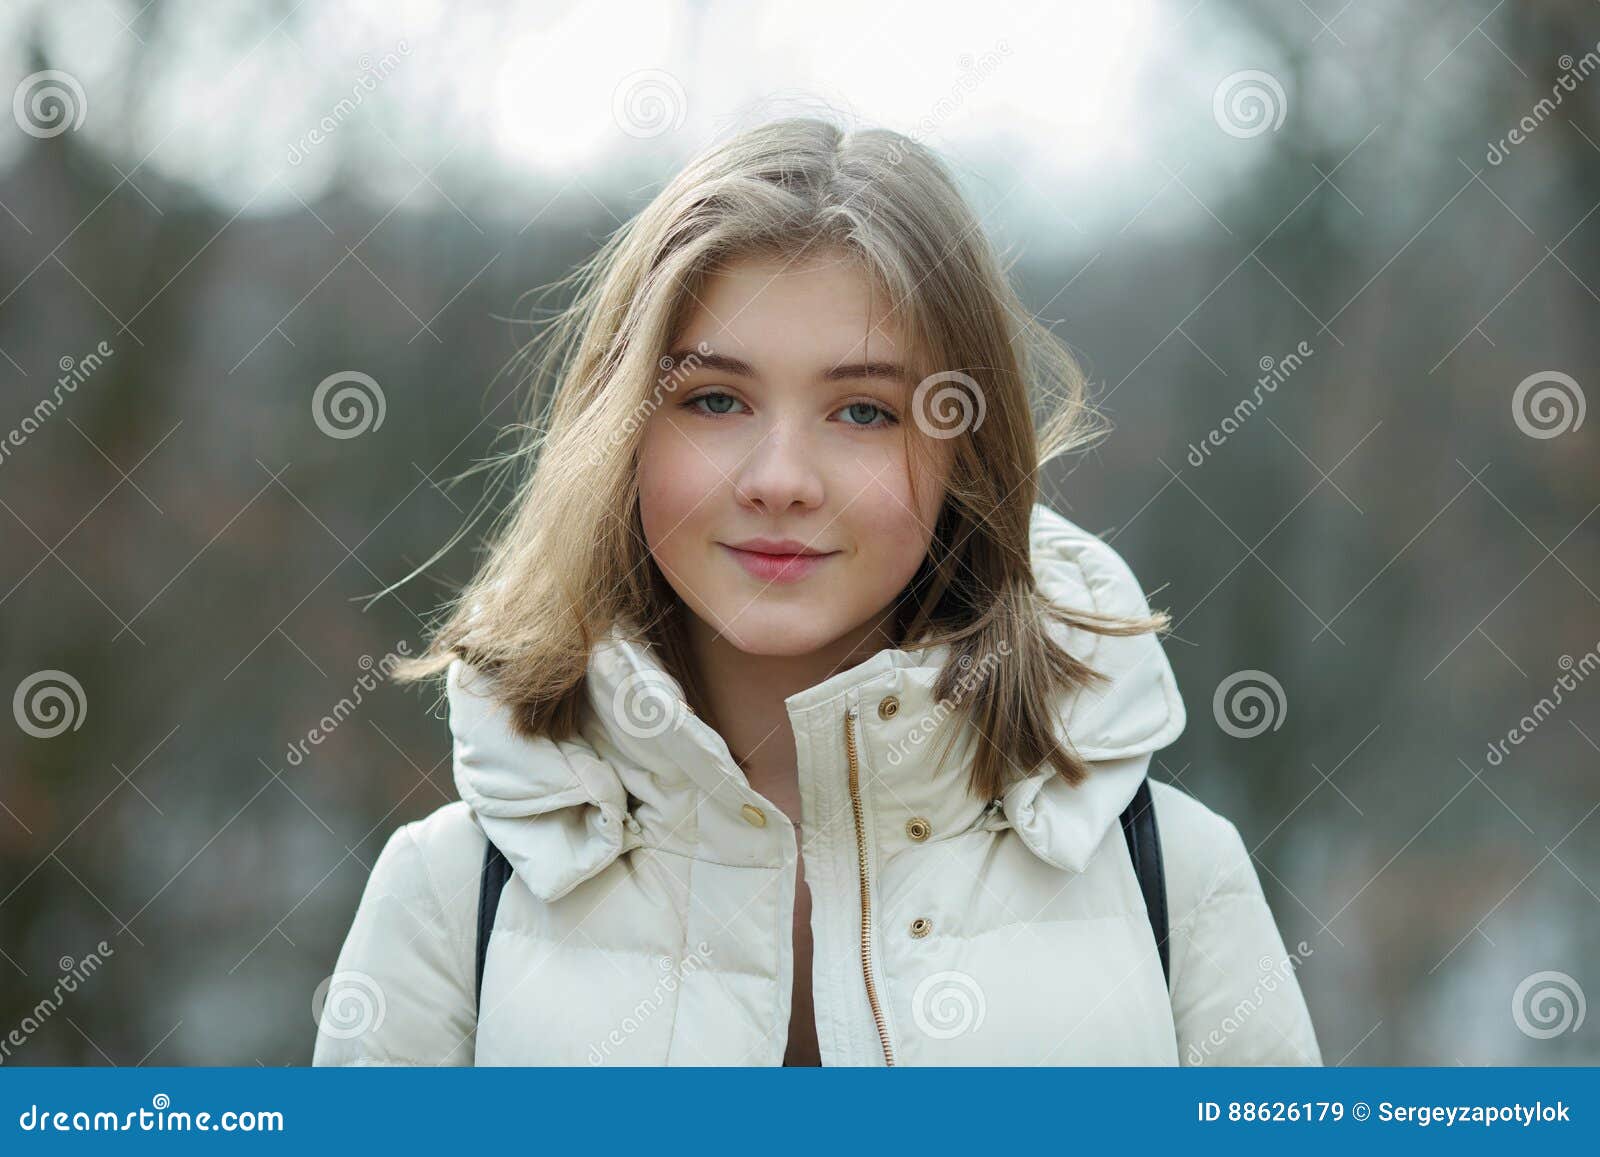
714 396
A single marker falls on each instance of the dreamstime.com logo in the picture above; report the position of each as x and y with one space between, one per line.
968 681
73 973
673 974
159 1118
1274 973
372 73
74 372
347 404
1249 103
974 72
1274 372
49 103
1547 404
1547 1004
346 706
1572 73
48 703
1542 710
673 373
1248 703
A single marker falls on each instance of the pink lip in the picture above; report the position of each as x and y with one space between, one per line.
777 568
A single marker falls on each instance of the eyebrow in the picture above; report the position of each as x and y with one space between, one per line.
891 371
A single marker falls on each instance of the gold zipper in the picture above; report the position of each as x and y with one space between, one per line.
866 895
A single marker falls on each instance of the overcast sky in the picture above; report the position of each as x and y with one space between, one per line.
1070 114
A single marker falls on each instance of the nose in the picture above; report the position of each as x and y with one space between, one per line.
781 471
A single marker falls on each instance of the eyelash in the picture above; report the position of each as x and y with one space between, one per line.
889 417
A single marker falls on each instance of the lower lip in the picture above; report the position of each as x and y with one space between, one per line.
777 568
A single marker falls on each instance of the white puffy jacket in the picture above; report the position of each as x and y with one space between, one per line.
648 918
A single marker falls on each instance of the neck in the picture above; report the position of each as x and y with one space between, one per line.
745 693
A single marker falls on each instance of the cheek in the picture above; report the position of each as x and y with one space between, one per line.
889 527
673 483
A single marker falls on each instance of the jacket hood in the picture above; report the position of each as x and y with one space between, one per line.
561 811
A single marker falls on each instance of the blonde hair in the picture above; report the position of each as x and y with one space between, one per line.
568 560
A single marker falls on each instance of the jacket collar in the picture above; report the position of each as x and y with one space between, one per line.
561 811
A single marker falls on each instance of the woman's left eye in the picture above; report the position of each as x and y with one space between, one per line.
866 412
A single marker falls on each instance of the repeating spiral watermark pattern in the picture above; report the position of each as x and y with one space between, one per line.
48 703
648 103
956 408
49 103
1248 103
1547 1004
645 705
348 404
1548 404
1248 703
347 1004
948 1004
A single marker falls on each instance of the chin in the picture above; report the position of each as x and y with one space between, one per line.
779 639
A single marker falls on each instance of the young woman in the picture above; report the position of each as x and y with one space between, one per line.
804 729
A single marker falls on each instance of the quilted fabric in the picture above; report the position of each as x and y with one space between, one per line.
647 921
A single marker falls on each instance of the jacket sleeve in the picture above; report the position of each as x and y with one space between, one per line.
401 992
1235 998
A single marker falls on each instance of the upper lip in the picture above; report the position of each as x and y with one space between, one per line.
776 546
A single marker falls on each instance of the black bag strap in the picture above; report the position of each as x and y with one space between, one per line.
1138 828
496 871
1144 849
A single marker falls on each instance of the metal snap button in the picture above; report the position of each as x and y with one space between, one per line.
921 926
888 707
755 815
918 828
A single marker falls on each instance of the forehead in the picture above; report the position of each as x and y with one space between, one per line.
817 308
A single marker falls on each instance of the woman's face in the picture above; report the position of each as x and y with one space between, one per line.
790 430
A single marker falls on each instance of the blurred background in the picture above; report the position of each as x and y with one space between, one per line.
1333 266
